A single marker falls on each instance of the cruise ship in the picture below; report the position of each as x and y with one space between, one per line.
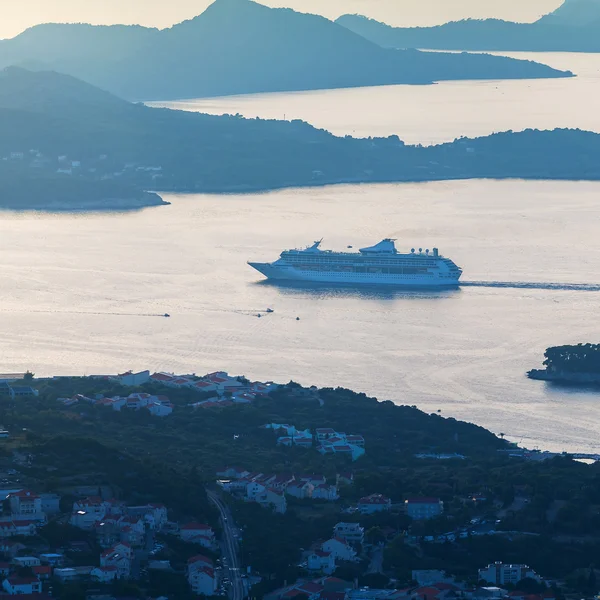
380 264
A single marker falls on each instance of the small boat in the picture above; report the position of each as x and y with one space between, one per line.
166 315
297 318
259 315
270 310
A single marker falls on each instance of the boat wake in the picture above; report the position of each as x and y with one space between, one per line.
531 285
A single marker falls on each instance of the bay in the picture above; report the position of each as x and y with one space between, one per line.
83 293
437 113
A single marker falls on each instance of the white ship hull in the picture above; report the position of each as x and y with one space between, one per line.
290 274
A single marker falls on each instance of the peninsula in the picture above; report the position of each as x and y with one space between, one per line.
241 47
71 135
578 364
573 27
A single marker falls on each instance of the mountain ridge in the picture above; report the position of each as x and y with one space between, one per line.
572 27
240 47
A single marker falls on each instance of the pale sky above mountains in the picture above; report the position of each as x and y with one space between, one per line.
18 15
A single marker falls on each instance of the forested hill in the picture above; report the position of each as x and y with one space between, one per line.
240 47
54 125
573 27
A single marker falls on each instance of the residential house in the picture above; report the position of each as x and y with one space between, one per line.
203 386
500 573
133 529
66 574
312 589
201 575
322 561
25 527
10 548
104 574
325 491
356 440
351 532
107 532
422 508
274 499
300 489
254 489
280 482
26 504
42 572
89 510
50 503
324 433
26 561
232 473
119 556
7 529
4 568
202 581
374 503
22 585
52 559
339 548
132 379
198 533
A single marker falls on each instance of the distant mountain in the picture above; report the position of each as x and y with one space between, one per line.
573 27
238 47
64 141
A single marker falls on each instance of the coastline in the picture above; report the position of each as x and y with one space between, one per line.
564 377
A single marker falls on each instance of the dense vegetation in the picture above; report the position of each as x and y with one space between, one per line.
574 27
582 358
240 47
570 364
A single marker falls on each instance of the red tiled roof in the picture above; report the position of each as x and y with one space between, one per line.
293 593
161 377
26 494
374 499
42 570
199 558
196 527
22 580
311 587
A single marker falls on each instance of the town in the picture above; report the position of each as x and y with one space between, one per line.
329 495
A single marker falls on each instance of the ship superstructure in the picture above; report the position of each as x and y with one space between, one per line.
380 264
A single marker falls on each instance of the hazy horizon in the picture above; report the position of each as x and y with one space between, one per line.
156 13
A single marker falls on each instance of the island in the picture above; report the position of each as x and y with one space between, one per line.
242 47
573 27
132 481
578 364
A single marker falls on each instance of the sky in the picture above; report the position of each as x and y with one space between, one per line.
18 15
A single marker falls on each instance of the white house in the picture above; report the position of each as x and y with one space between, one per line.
25 527
339 548
132 379
198 533
300 489
119 556
104 574
26 505
374 503
232 473
89 510
16 586
325 491
500 573
320 560
159 409
254 489
203 581
274 499
423 508
351 532
26 561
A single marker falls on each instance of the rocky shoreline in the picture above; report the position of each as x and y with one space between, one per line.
564 377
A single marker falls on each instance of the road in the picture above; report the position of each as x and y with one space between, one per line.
230 549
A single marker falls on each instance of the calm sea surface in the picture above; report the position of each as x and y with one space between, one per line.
83 293
435 113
